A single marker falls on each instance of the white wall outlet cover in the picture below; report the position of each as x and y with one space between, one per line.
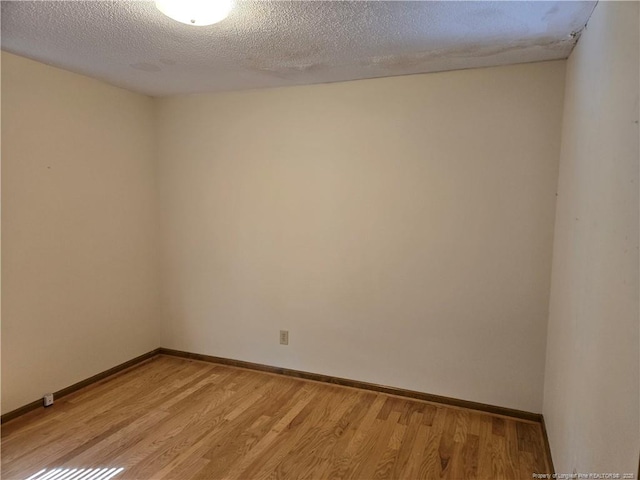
47 399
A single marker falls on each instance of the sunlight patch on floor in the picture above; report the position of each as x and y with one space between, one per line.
75 474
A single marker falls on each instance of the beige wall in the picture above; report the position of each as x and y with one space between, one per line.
79 256
400 228
591 401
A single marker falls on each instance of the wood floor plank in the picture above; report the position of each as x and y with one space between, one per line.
313 446
432 462
87 417
416 454
287 442
511 445
343 433
447 444
470 457
317 453
268 439
254 425
389 455
303 425
485 436
190 420
174 418
408 440
367 469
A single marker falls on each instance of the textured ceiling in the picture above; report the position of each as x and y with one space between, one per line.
275 43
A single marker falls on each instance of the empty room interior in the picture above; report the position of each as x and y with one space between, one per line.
320 240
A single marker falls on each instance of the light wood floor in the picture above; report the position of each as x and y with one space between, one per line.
184 419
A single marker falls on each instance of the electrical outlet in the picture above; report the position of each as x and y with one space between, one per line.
47 399
284 337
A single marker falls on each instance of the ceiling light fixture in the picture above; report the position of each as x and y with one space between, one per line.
195 12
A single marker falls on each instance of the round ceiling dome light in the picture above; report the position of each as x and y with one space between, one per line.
196 12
